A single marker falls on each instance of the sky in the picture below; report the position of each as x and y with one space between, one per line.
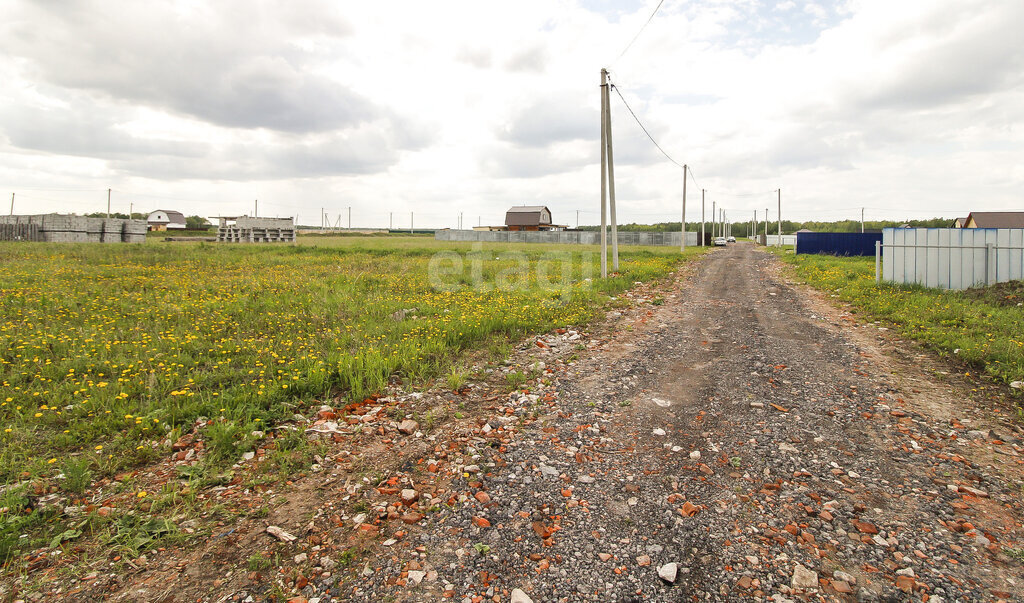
416 112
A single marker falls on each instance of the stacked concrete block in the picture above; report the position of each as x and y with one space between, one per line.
58 228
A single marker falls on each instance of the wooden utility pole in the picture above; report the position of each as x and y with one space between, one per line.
108 203
604 176
780 216
611 175
682 228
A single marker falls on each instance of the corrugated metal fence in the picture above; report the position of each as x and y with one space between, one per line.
837 243
952 258
570 237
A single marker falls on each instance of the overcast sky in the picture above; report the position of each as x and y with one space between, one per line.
910 108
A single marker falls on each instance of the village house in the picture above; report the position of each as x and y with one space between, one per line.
165 219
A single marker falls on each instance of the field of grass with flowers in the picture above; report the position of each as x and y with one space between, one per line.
983 329
109 352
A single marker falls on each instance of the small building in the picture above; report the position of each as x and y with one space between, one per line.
995 219
530 217
165 219
960 223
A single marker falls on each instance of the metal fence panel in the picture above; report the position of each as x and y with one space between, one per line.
952 258
837 243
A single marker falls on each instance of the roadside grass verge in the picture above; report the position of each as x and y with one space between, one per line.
983 327
108 354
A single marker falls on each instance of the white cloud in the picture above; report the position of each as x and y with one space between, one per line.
473 106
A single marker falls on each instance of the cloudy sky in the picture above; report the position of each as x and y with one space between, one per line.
910 108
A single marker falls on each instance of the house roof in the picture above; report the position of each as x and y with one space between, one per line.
997 219
173 217
526 215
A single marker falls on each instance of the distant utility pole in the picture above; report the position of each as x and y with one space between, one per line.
753 225
391 220
577 218
682 228
766 226
702 191
12 208
862 220
256 208
780 215
714 214
108 203
131 209
322 218
412 217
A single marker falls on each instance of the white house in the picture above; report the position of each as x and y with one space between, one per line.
164 219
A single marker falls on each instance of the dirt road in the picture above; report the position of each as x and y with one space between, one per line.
758 439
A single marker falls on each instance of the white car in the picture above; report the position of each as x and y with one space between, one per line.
731 239
720 242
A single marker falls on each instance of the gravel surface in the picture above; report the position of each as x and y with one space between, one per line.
740 440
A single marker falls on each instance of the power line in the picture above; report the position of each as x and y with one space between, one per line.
639 123
648 22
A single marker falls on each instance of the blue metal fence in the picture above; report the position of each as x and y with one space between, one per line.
837 243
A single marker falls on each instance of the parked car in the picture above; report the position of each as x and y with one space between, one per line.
720 242
731 239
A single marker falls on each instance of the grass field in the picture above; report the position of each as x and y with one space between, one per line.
982 327
108 351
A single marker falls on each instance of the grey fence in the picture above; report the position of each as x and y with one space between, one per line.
951 258
567 237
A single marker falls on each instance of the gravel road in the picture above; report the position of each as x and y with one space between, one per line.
738 439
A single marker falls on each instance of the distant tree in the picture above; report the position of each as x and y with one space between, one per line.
196 223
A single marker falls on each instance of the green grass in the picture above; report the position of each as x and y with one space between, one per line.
109 352
984 327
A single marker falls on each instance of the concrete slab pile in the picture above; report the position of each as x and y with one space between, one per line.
62 228
256 230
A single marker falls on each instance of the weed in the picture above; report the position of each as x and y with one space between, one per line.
77 475
258 562
515 379
482 548
456 379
